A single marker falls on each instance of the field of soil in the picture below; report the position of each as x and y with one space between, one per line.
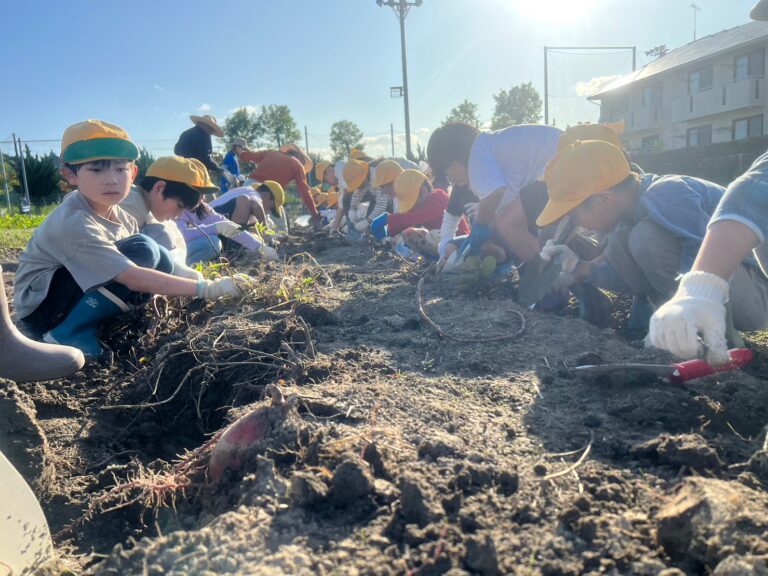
381 447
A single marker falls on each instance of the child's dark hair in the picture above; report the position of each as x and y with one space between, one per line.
264 188
105 163
450 143
188 196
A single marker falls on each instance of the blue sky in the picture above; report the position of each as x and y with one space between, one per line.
148 65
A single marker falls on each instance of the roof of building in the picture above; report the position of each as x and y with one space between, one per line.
700 49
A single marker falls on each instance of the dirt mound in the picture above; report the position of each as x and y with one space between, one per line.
400 451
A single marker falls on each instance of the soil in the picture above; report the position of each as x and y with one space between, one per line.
390 450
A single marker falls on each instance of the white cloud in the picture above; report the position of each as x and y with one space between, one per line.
594 85
204 107
251 109
158 88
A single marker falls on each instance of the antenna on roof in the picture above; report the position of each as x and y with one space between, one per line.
695 10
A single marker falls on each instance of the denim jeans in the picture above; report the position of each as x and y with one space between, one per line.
203 249
64 293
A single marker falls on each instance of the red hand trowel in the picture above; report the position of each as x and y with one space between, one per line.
678 372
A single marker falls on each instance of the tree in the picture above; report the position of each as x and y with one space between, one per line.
42 176
657 51
143 162
245 124
345 135
520 105
466 112
278 126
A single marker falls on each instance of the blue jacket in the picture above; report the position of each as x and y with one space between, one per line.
231 163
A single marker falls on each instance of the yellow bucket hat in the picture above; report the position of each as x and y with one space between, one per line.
357 154
355 172
209 121
96 140
386 172
320 170
407 187
606 132
189 171
583 169
277 193
332 197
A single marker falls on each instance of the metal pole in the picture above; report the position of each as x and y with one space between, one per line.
25 201
392 137
401 11
634 58
306 140
5 181
546 89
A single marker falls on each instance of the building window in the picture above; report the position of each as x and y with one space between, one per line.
652 95
700 136
751 65
700 79
651 143
748 127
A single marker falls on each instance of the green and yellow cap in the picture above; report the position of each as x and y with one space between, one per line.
96 140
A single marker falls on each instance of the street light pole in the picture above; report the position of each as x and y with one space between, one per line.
401 9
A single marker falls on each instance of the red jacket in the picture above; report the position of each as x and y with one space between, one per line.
282 168
429 215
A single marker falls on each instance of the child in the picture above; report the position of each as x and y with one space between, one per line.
656 224
202 227
419 214
230 173
246 205
284 166
492 168
171 185
87 262
357 174
325 173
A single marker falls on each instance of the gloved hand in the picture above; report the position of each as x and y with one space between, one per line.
470 209
268 254
227 229
478 236
452 264
379 226
693 321
362 225
226 287
568 259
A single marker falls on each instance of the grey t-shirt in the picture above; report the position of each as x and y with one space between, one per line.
76 238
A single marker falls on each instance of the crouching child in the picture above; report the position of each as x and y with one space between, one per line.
87 261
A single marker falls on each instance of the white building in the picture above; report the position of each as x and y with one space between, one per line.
711 90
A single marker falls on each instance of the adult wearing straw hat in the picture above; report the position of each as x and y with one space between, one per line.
196 142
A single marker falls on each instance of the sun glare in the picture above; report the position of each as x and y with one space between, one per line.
553 11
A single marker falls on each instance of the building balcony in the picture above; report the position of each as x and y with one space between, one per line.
725 97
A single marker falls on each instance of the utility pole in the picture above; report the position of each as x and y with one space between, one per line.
695 10
392 137
401 9
5 181
306 140
25 203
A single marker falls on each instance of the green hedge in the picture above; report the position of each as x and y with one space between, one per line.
720 163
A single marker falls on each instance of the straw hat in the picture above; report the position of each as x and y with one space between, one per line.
209 121
305 160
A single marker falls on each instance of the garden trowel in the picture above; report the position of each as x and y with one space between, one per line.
539 277
678 372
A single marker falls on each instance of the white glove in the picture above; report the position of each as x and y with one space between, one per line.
567 257
184 271
693 321
226 287
227 229
471 209
268 253
452 264
362 225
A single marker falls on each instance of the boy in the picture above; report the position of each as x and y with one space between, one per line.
87 262
492 168
420 210
250 204
171 185
656 223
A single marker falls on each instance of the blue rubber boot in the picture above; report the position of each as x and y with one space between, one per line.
79 328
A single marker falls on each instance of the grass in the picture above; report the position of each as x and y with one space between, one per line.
17 229
15 239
